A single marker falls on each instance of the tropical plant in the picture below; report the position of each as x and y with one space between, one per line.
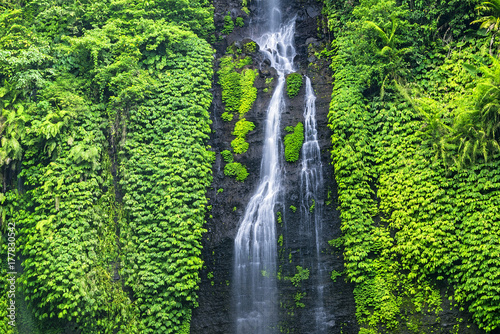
489 22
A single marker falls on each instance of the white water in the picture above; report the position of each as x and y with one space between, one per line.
311 192
255 287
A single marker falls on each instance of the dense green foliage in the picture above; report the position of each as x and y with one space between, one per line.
416 161
237 170
80 83
293 142
227 117
240 22
293 84
238 91
241 129
228 25
227 156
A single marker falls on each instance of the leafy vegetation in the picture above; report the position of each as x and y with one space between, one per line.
293 142
241 129
227 117
104 121
240 22
237 170
293 84
238 91
228 24
238 94
250 47
415 155
227 156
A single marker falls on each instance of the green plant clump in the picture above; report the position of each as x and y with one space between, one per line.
237 170
293 84
241 129
293 142
300 276
239 22
228 24
227 156
250 47
227 117
238 91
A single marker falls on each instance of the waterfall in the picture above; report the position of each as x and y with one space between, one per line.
255 286
311 208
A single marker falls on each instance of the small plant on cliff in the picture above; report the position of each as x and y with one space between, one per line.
293 142
227 156
241 129
335 274
313 205
250 47
244 62
228 24
298 297
293 84
301 275
238 91
227 117
240 22
237 170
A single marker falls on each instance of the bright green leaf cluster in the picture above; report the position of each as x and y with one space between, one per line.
241 129
227 117
228 24
227 156
293 142
237 170
293 84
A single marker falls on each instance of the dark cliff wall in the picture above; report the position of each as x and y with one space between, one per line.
214 315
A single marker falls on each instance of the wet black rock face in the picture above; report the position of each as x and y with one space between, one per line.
214 314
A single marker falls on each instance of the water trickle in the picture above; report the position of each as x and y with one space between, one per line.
311 209
255 287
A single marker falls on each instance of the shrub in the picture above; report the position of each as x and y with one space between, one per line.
250 47
241 129
228 24
227 156
237 170
293 84
293 142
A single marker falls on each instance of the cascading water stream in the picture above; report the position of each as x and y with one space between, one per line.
255 287
311 186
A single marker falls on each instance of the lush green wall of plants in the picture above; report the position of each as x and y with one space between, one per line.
103 160
416 161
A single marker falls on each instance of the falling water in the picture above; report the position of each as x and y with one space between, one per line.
311 186
255 287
